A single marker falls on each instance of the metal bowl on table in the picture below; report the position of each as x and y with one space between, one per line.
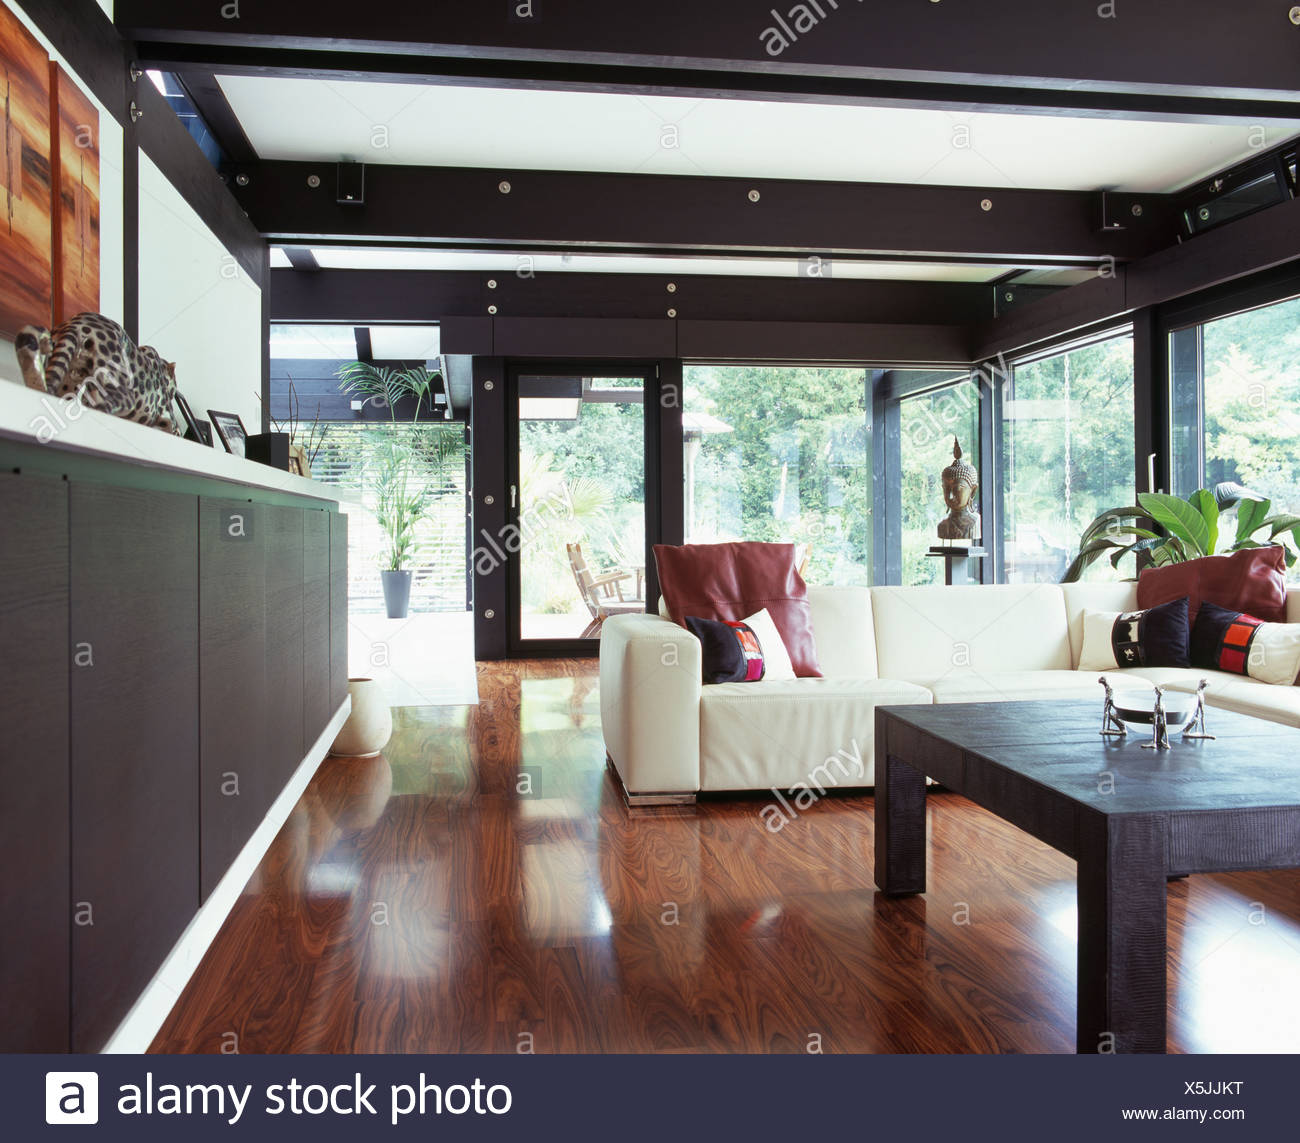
1138 708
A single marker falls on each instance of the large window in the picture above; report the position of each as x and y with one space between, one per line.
1066 455
929 422
781 454
360 446
1235 399
354 457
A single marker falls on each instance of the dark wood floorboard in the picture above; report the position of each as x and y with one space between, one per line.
416 902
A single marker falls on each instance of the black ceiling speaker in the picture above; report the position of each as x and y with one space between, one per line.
352 184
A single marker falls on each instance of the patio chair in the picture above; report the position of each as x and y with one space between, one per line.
603 594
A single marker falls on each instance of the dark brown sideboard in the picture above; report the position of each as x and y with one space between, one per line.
171 647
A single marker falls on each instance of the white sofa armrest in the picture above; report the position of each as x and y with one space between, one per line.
650 680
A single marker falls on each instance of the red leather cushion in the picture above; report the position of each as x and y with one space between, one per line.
728 582
1253 581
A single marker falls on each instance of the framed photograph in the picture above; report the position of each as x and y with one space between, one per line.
298 461
195 430
231 430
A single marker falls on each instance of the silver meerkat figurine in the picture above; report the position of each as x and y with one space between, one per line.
1160 725
1196 728
1110 723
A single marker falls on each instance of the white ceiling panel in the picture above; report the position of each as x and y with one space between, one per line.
366 258
314 342
405 342
310 119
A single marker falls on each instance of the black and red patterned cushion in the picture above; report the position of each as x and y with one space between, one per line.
731 650
1241 644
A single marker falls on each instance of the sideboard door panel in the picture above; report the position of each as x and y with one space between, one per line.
316 617
34 838
284 639
237 784
135 744
338 610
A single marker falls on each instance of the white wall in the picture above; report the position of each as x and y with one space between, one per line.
111 235
197 306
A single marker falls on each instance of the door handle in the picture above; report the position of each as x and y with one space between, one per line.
514 497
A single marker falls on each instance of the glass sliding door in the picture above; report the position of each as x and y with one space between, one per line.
579 497
1067 455
781 454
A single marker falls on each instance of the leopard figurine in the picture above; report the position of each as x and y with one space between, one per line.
93 360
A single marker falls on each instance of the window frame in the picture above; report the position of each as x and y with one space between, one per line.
1005 369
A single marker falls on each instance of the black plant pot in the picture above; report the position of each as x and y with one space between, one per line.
269 448
397 593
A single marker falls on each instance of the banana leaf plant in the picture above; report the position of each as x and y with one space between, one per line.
1170 529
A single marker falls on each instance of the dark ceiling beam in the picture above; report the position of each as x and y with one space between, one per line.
686 83
417 295
1241 50
1261 242
300 258
164 138
596 211
210 101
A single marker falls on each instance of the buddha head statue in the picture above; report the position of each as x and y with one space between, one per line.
960 483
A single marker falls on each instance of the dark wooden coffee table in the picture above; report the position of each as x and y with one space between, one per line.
1131 818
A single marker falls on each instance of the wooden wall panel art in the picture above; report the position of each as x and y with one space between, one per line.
75 176
26 229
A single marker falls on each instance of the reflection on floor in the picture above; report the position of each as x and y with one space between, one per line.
482 887
422 660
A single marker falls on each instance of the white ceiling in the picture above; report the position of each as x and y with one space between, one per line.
367 258
405 342
338 342
327 120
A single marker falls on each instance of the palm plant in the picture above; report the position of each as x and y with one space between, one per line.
402 497
388 384
401 502
1189 528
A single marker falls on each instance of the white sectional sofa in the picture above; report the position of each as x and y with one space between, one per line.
669 737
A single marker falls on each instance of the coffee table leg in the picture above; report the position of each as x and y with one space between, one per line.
1122 937
900 822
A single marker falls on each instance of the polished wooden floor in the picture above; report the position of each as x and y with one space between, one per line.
416 902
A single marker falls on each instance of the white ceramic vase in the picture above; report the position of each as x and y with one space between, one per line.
369 726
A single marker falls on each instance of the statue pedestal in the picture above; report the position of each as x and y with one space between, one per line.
960 564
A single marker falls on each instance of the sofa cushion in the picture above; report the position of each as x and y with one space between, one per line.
1017 686
1245 696
731 581
1243 645
1171 678
1253 581
1081 597
925 633
755 736
1157 637
845 632
1227 691
729 652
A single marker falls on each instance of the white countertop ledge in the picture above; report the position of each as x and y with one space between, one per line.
64 425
